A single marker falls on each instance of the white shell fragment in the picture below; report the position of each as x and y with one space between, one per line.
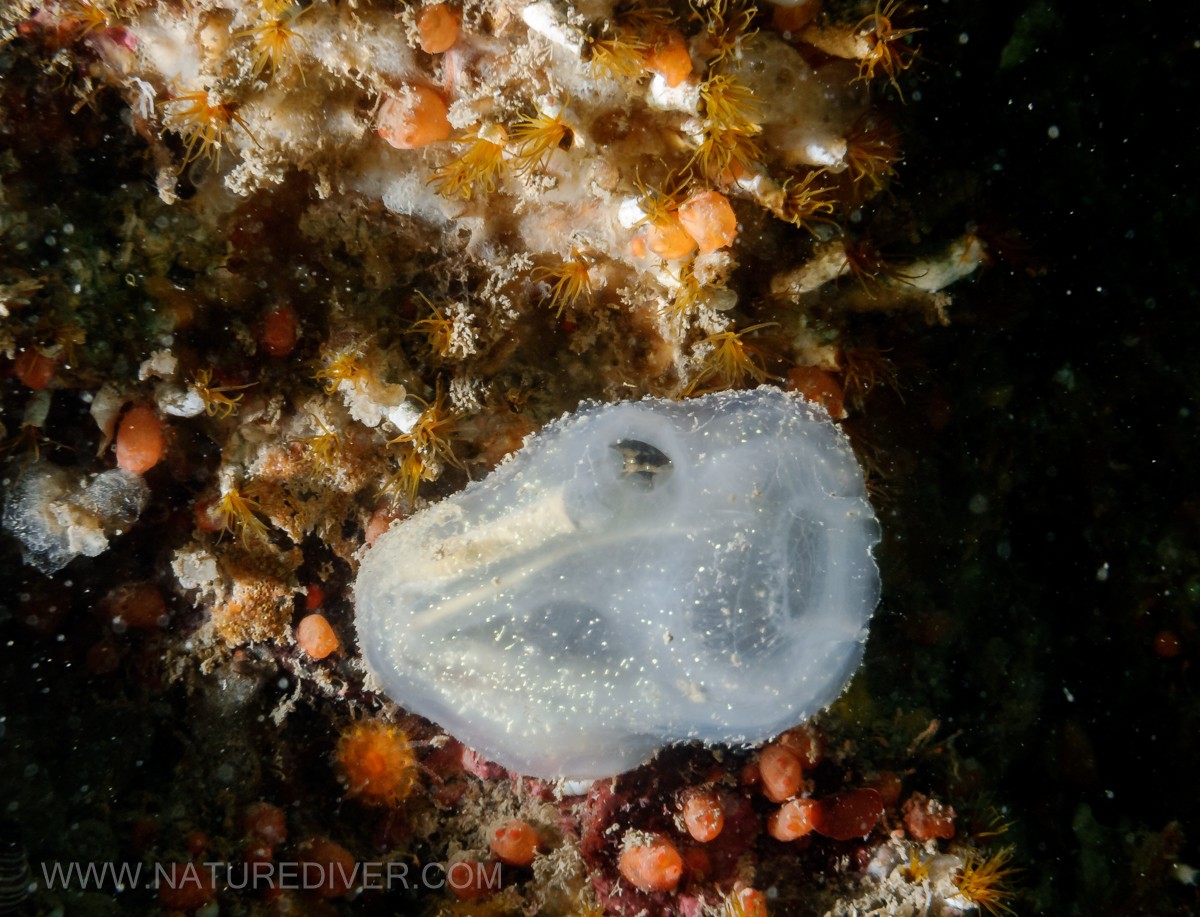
638 574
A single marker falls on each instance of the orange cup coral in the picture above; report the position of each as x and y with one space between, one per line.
376 763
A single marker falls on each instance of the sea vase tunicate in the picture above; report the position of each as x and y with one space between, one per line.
638 574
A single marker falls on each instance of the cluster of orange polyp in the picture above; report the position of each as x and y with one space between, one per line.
610 158
458 220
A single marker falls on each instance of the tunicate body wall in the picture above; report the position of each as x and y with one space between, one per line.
638 574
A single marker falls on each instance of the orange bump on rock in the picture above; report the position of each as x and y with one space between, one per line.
795 16
35 369
140 606
818 386
515 843
414 117
927 818
141 439
805 744
337 870
471 880
653 865
1167 644
206 517
669 57
185 886
781 772
708 218
380 521
316 636
889 786
669 240
314 597
702 813
437 28
849 815
280 331
265 823
793 819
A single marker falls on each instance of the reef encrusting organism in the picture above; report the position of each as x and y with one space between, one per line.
730 535
375 763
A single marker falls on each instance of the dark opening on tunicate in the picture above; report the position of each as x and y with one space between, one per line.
645 465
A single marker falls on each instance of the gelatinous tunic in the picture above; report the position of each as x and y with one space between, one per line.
638 574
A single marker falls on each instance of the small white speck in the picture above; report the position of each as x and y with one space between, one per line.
1102 573
1052 132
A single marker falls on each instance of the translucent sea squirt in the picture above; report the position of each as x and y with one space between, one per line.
638 574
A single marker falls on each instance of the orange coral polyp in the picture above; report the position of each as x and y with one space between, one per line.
203 124
376 763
